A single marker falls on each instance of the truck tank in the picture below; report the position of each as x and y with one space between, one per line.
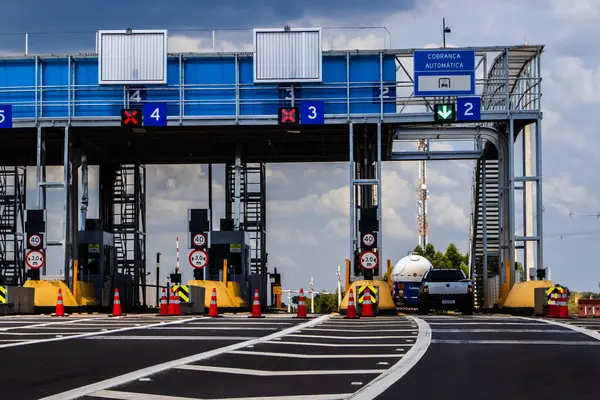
406 279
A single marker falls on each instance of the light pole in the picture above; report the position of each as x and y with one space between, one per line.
445 30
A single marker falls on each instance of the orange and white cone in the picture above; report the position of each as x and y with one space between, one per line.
256 306
213 311
177 306
116 305
367 306
171 307
351 313
163 303
60 308
301 306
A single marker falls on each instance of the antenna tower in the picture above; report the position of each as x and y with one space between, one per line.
423 196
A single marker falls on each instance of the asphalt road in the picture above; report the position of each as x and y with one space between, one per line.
502 358
278 357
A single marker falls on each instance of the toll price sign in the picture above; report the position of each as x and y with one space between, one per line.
198 258
368 260
199 239
34 241
368 239
35 259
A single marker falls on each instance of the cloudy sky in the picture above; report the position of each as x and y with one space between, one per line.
307 209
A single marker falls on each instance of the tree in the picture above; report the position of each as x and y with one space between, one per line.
454 255
429 252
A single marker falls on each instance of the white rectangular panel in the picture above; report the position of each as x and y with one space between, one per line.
132 57
444 83
293 55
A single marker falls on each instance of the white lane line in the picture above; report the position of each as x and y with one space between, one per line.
124 337
503 330
360 330
398 370
122 379
338 344
89 334
527 342
302 335
292 355
257 372
245 323
39 333
590 333
211 328
112 394
487 323
41 325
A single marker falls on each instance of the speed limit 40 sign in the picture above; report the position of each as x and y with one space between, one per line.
368 260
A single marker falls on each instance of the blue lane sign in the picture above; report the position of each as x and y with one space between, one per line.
155 114
444 72
6 116
312 112
468 108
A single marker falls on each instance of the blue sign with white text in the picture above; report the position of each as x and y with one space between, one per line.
444 72
6 116
312 112
468 108
155 114
388 94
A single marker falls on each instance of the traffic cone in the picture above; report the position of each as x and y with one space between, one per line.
177 304
116 305
351 313
213 311
171 308
163 303
301 306
256 306
563 306
367 306
552 304
60 308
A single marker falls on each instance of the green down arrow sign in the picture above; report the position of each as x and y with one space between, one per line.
444 112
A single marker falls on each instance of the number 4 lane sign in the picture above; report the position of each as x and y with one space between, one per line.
312 112
155 114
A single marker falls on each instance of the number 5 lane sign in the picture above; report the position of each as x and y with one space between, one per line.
312 112
6 116
368 260
155 114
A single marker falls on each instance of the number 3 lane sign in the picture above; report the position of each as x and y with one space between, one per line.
368 260
198 258
312 112
35 259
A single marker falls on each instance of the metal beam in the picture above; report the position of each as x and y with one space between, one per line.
436 155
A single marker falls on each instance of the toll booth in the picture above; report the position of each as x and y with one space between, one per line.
233 246
98 266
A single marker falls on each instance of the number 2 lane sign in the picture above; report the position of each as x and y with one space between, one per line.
198 258
312 112
368 260
468 109
155 114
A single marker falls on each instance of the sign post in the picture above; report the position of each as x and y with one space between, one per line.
444 72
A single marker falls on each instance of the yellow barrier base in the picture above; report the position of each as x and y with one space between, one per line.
522 294
85 294
228 295
46 293
384 297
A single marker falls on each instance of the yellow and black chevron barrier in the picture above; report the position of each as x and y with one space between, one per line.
2 294
372 290
183 291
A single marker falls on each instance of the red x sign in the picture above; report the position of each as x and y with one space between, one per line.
131 117
288 115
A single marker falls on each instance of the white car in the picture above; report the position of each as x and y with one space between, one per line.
446 289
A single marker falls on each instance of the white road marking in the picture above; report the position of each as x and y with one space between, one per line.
143 337
487 323
398 370
292 355
112 394
45 324
89 334
339 344
302 335
535 342
211 328
360 330
246 323
38 333
590 333
257 372
503 330
125 378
